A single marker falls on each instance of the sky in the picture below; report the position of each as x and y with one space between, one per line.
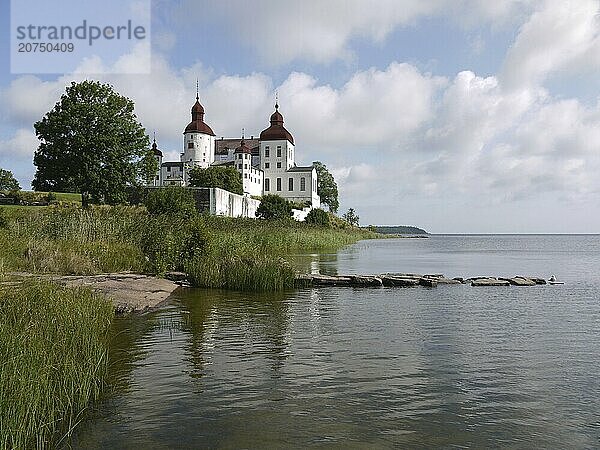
457 116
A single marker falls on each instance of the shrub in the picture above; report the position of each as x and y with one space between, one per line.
168 242
51 197
274 207
319 217
173 200
224 177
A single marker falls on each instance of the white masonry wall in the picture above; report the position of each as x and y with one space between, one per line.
225 203
203 152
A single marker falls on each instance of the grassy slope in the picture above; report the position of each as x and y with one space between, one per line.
219 252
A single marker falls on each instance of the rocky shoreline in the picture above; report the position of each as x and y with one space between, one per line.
410 279
129 292
136 293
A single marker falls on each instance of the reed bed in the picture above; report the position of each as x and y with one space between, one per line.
53 356
53 340
221 252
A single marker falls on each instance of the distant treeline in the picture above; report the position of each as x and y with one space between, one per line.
400 229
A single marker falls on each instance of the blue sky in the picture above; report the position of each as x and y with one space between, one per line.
458 116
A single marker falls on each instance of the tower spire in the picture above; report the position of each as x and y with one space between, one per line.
197 90
243 133
276 99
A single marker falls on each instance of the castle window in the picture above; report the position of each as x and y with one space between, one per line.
267 165
239 166
279 151
190 144
303 184
290 184
279 184
245 175
267 152
267 184
279 165
245 166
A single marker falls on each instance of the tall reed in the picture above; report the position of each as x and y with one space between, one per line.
53 356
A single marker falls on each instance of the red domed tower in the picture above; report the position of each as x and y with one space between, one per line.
198 139
276 146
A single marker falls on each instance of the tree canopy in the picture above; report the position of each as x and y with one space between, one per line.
351 217
326 187
172 200
224 177
93 144
319 217
7 181
274 207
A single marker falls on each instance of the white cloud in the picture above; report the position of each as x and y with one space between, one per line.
16 153
322 31
556 36
20 146
374 108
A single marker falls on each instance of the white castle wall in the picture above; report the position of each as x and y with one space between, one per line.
225 203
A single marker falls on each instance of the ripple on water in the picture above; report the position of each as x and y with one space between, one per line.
369 368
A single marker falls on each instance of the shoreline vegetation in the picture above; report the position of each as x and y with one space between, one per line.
53 354
53 338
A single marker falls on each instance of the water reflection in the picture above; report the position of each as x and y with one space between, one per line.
366 368
261 318
315 263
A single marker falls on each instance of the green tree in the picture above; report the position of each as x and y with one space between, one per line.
224 177
351 217
319 217
173 200
92 143
7 181
326 187
274 207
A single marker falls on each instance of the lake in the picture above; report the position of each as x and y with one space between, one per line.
370 368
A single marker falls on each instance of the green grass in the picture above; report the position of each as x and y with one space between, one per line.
60 196
53 340
53 356
221 252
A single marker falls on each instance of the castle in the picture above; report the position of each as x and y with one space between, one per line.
267 165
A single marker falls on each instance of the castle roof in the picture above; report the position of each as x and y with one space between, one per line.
276 131
301 169
197 125
155 149
243 148
223 145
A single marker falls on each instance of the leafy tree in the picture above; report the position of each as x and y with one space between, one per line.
224 177
351 217
7 181
318 216
173 200
92 143
274 207
326 187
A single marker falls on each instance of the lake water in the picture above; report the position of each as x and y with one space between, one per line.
458 366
